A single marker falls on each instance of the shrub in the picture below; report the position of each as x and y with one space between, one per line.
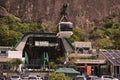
57 76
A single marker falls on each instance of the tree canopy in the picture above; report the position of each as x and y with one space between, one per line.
107 36
13 29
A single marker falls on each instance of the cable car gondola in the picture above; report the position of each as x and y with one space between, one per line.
65 29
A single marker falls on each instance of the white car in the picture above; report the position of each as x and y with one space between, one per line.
39 78
92 77
15 77
34 77
108 77
25 78
80 77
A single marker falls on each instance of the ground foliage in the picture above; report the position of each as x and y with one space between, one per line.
57 76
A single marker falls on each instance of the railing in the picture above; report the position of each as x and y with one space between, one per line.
70 44
67 46
90 61
80 55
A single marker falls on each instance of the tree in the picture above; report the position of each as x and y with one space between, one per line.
14 63
108 36
78 35
53 65
13 29
57 76
103 43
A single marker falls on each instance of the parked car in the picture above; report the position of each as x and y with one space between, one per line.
108 77
80 77
92 77
39 78
32 78
25 78
15 77
3 78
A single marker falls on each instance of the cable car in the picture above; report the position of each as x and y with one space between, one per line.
65 29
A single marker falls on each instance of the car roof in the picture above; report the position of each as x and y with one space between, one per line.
80 76
92 76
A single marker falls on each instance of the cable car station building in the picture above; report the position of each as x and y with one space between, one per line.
36 45
37 49
33 46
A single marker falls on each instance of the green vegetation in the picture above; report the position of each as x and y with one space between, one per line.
58 76
107 36
14 64
78 35
13 29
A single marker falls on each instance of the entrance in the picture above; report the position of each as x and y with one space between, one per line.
42 50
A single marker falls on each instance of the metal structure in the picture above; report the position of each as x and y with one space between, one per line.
113 58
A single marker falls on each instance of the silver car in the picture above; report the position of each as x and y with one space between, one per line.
80 77
32 78
15 77
108 77
92 77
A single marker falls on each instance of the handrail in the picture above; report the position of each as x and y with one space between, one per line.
70 43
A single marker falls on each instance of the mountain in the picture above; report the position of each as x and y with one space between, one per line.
82 13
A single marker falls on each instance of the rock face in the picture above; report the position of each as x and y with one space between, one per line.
80 12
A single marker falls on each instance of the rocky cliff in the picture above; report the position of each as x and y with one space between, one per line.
80 12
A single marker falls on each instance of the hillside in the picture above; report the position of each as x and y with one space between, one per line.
81 12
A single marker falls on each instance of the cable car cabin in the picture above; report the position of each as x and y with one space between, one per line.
65 29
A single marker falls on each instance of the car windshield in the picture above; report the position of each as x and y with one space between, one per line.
32 77
79 78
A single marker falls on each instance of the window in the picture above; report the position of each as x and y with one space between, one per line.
3 52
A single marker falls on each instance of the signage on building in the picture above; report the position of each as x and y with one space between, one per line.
41 43
15 54
89 70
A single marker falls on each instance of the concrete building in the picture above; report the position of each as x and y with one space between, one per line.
82 47
84 57
32 47
7 54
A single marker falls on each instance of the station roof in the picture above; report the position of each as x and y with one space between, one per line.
82 44
39 33
113 56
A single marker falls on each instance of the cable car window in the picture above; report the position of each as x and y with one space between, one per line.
65 27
